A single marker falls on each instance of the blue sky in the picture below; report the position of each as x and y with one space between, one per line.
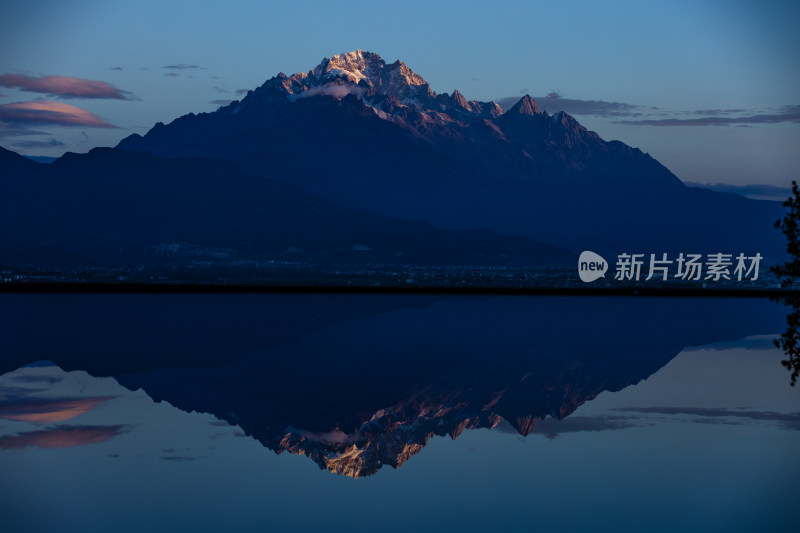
709 88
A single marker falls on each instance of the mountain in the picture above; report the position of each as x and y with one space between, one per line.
13 163
372 135
113 207
357 383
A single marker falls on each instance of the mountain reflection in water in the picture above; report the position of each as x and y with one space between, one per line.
356 382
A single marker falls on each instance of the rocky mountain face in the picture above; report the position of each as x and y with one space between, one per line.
373 135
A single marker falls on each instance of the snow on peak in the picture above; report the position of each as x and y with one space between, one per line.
384 87
360 67
353 66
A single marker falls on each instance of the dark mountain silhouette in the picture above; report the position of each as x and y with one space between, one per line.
115 207
15 163
357 383
372 135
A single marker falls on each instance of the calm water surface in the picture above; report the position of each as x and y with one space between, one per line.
394 413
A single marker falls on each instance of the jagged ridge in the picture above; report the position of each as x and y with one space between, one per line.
375 136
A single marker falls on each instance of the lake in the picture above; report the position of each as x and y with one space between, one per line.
250 412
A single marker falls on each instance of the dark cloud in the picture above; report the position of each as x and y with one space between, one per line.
551 427
44 112
61 437
637 417
51 143
242 91
172 74
28 378
63 86
718 421
222 102
10 393
785 420
16 130
718 111
179 458
635 115
553 103
181 66
116 68
758 192
785 114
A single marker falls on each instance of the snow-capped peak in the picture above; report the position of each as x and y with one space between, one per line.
386 88
394 79
353 66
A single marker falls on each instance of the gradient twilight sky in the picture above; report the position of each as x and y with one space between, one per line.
709 88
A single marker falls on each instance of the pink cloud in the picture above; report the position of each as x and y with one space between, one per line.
61 437
63 86
51 113
39 412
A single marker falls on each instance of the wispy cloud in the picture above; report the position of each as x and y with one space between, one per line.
63 86
784 420
45 112
757 192
179 458
222 102
28 378
718 111
642 115
785 114
551 427
181 66
40 411
51 143
330 89
61 437
172 74
16 130
553 103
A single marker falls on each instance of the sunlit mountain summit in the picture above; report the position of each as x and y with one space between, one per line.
374 135
359 162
